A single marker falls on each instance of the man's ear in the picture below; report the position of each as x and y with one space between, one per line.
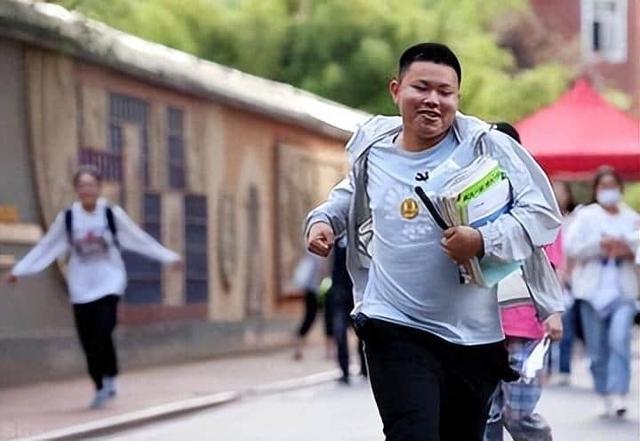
394 86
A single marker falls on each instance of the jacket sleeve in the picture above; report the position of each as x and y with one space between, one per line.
534 219
581 244
543 283
633 238
53 245
335 210
133 238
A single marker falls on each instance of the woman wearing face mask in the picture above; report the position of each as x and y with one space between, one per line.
93 232
603 240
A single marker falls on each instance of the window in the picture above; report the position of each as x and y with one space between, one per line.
145 275
197 265
109 163
604 30
123 108
175 144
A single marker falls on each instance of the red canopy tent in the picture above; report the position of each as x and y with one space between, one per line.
580 132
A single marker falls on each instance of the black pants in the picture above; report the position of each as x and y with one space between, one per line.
329 307
428 389
310 312
341 324
95 322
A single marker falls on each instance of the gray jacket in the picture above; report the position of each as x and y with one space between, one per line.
532 223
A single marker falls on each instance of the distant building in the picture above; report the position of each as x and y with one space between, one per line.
218 164
609 39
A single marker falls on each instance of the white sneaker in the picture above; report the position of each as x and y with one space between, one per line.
619 405
99 399
109 384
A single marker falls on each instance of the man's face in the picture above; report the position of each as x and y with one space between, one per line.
427 97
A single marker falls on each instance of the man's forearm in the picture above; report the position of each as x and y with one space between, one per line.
335 210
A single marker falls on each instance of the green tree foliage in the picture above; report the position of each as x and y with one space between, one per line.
632 195
344 50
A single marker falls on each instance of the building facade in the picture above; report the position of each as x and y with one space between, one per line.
607 33
218 165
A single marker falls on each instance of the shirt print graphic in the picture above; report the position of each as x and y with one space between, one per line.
404 213
91 245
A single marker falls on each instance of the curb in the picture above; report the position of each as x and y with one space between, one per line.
171 410
135 418
294 383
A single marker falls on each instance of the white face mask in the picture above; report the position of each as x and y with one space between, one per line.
608 197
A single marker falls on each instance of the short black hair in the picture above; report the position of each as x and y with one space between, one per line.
507 129
432 52
87 169
601 173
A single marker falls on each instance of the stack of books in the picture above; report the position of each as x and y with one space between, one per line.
474 195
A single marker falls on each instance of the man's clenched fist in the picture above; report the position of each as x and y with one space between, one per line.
320 239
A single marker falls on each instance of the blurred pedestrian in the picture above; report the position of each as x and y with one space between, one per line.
93 232
329 310
307 278
513 403
434 347
603 240
342 295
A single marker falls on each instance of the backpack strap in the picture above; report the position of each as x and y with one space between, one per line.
111 223
68 224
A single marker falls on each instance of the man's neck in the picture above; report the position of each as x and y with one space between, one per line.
413 143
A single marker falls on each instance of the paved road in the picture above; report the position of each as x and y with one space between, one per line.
331 412
325 412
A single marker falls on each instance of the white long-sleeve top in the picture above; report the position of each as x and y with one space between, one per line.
96 268
582 243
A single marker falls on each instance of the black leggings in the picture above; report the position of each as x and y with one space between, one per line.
310 312
341 324
95 322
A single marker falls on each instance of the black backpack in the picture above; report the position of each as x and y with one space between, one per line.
111 224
